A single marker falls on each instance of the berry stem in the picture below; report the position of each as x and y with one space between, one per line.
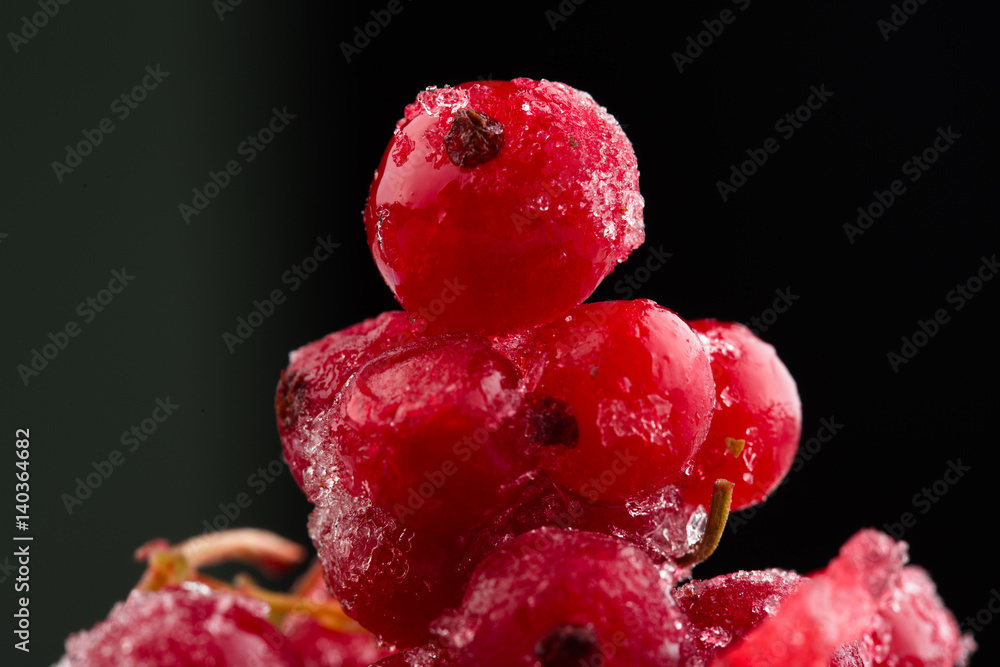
718 513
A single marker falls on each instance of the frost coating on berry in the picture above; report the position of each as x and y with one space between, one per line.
724 609
502 204
556 597
188 626
827 610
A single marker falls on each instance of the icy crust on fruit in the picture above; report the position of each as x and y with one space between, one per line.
827 610
723 609
757 422
557 597
188 626
558 206
915 628
308 387
637 382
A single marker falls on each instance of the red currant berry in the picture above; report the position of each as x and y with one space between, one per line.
723 609
561 598
314 376
623 396
827 610
502 204
391 579
188 626
918 629
427 430
758 417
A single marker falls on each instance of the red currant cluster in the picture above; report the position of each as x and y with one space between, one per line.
503 476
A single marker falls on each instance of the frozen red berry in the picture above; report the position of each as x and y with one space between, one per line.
914 628
757 422
562 598
723 609
827 610
309 385
501 204
187 626
428 431
622 397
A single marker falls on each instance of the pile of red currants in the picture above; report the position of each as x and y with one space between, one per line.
503 476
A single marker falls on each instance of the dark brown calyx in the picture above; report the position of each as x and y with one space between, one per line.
474 138
567 645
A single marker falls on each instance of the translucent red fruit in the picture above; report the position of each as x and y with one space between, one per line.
320 646
723 609
560 598
917 629
827 610
427 430
189 626
309 385
622 394
757 422
502 204
391 579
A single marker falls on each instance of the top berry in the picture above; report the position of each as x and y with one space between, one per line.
502 204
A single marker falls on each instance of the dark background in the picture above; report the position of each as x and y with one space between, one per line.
783 230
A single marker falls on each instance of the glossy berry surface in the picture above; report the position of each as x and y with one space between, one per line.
828 610
427 431
624 397
558 598
190 626
309 386
757 422
723 609
502 204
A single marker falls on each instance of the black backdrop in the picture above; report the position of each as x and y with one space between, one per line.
222 70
